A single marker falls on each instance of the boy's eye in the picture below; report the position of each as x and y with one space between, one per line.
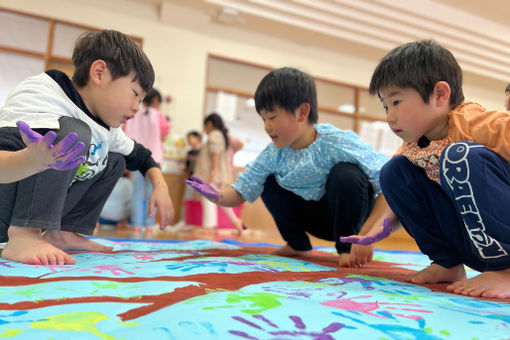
396 102
136 93
385 108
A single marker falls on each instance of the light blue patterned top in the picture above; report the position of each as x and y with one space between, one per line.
304 172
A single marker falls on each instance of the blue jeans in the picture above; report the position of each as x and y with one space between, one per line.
142 190
466 219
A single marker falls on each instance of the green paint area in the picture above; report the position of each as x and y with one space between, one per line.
256 302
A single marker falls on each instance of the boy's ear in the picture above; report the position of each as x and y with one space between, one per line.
303 112
97 71
441 93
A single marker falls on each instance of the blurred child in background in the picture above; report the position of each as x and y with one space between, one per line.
213 165
194 140
149 128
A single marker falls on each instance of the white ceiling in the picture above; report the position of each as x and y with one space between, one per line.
476 32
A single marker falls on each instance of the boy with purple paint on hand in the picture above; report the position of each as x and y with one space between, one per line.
111 77
449 184
313 178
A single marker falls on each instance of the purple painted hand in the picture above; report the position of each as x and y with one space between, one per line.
203 188
61 156
369 239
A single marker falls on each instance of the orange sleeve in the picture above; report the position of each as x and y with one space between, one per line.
490 128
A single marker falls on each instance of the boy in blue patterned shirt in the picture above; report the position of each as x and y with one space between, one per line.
313 177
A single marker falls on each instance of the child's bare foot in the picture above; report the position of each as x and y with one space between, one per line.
487 284
67 240
436 273
26 245
287 250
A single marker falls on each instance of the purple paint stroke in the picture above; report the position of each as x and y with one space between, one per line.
243 334
312 335
262 318
297 322
366 240
335 326
6 264
249 323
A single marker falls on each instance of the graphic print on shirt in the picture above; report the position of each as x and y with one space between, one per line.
455 169
95 162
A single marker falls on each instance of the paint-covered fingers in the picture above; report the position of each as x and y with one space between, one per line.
28 135
72 158
62 156
205 189
373 236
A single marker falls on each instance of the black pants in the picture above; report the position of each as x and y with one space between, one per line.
342 210
47 200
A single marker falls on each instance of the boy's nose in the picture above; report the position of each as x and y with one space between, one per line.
267 127
136 106
390 116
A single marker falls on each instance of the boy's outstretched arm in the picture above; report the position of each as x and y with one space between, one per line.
39 155
378 225
160 198
227 197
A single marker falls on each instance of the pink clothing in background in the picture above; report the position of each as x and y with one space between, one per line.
164 126
148 128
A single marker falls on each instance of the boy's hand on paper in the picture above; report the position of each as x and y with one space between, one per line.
63 156
205 189
376 234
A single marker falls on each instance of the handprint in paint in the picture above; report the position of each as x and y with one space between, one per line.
299 330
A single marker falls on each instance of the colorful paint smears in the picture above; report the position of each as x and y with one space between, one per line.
212 290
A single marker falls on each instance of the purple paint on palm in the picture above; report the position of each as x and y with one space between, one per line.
205 189
365 240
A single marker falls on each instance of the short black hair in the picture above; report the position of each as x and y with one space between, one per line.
507 89
121 54
194 133
419 65
287 88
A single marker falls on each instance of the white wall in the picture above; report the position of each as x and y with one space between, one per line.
179 55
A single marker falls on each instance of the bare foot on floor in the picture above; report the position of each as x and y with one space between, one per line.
436 273
487 284
67 240
287 250
26 245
